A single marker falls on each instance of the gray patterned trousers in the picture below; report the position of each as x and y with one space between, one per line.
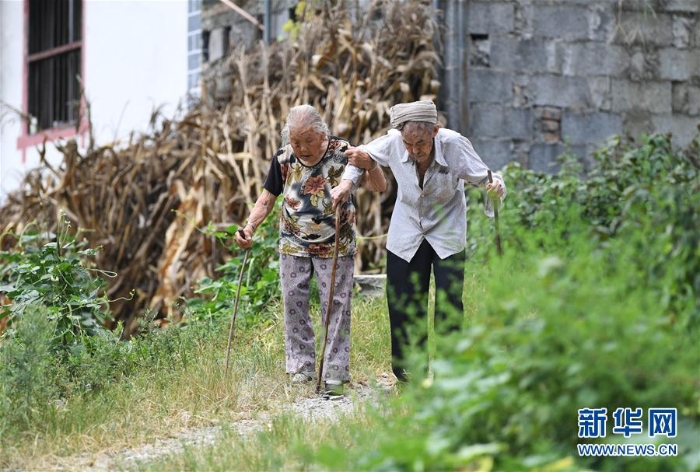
299 341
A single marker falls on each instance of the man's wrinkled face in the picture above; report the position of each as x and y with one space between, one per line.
308 144
418 140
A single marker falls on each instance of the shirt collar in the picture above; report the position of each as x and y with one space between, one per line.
438 157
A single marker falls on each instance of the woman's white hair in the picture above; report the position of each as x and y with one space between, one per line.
304 116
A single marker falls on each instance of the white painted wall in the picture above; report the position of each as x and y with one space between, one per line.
135 59
11 14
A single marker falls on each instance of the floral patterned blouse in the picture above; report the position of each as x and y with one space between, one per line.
307 219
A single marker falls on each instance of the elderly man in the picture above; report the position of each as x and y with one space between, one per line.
428 227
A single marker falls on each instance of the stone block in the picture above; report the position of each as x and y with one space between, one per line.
599 89
497 121
520 152
570 3
561 22
496 153
485 85
602 23
645 29
492 18
590 128
682 128
686 99
644 65
544 157
682 6
558 91
654 97
218 43
594 59
523 20
648 7
555 56
678 64
683 31
637 123
244 34
521 93
522 55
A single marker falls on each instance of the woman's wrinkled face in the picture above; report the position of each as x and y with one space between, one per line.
418 141
308 144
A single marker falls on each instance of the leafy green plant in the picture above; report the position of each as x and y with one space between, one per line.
555 333
51 270
260 284
588 307
646 187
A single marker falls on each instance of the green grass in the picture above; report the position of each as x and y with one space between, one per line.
290 443
544 336
593 304
518 358
187 388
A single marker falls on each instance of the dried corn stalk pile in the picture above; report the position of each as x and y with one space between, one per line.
144 203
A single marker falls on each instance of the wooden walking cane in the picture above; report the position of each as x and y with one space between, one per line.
235 305
330 298
495 215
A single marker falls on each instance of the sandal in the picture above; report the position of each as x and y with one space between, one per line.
303 377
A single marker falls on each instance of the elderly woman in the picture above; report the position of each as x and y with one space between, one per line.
427 231
304 171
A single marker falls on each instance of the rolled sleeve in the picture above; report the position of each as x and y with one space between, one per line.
471 168
354 174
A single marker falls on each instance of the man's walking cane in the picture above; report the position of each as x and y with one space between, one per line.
330 298
495 215
235 305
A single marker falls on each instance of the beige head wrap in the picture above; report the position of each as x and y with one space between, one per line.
423 110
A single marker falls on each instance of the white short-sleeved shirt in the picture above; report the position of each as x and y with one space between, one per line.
438 211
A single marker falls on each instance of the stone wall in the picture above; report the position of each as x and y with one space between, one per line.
225 29
549 76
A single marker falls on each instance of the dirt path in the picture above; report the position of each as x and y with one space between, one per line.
312 409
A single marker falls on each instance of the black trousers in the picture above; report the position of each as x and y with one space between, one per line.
408 285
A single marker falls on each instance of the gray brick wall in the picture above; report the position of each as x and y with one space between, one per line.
680 64
589 128
686 99
645 29
653 97
594 59
485 85
495 153
559 91
497 120
496 18
549 76
511 54
564 23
